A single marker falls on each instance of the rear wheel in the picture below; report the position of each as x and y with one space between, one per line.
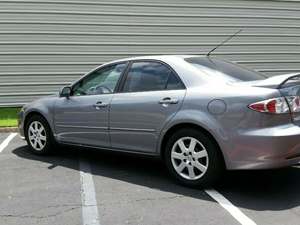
39 136
193 158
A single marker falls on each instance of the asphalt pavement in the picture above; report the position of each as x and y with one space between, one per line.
84 186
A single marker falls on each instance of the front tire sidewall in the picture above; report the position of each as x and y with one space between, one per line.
215 164
49 139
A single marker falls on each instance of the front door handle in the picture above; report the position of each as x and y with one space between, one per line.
99 105
168 100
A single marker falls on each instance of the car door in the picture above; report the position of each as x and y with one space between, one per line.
82 118
151 95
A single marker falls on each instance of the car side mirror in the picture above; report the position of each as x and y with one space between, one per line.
65 92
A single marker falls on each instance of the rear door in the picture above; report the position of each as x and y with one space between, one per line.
151 95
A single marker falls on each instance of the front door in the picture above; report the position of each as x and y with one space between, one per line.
151 96
83 117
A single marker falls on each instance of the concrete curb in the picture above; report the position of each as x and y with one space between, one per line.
8 129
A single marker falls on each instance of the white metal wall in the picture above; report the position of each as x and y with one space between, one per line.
45 44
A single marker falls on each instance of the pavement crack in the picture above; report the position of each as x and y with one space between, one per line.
159 198
143 199
44 216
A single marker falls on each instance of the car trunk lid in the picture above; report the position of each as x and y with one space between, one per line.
279 81
289 87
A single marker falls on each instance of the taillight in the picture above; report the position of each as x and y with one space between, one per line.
274 105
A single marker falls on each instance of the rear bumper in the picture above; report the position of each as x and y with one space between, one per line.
265 148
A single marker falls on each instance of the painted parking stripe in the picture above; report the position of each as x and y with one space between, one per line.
90 214
234 211
6 141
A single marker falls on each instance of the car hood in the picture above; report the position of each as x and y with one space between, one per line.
45 99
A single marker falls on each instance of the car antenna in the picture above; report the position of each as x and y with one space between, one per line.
223 42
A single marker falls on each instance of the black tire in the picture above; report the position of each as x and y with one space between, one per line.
215 160
50 143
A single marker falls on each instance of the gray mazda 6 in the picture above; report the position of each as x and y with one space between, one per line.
200 115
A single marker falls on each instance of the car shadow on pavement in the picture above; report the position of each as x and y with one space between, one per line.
263 190
256 190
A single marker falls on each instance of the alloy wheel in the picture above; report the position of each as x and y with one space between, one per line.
189 158
37 135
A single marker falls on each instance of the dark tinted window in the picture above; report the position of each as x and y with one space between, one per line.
224 68
174 83
150 76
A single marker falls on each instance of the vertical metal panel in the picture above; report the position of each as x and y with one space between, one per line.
48 43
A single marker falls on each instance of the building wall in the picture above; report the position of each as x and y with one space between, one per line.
45 44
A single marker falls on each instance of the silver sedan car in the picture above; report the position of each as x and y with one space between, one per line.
200 115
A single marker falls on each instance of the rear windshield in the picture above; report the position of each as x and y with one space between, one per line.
216 67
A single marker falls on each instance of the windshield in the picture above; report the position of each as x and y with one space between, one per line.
213 67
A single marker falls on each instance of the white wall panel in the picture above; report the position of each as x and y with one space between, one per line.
48 43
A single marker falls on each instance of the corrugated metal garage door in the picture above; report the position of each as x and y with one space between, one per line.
48 43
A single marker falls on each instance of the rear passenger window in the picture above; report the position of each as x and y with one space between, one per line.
174 83
150 76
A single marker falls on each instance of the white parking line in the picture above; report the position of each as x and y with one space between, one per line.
6 141
88 196
234 211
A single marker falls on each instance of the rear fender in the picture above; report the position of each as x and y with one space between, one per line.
202 120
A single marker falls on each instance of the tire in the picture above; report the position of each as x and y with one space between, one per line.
39 136
200 166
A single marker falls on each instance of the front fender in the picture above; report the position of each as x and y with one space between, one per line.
43 107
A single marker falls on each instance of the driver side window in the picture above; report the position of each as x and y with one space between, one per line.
101 81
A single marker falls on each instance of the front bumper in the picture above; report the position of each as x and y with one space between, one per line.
21 124
265 148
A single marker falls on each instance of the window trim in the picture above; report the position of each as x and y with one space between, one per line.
125 75
103 66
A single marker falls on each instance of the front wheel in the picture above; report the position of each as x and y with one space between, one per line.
39 136
193 158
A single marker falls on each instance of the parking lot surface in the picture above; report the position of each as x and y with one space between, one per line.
126 189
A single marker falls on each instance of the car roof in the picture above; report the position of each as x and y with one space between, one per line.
157 57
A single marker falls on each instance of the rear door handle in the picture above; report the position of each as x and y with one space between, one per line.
168 101
99 105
